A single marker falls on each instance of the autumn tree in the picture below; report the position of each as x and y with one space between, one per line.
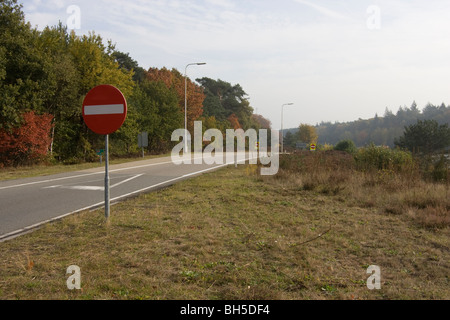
22 66
175 81
234 122
307 134
223 100
93 64
261 121
50 72
27 143
61 87
158 113
96 64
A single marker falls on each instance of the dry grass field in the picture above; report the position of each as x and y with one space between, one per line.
310 232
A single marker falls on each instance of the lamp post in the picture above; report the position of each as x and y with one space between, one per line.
282 135
185 99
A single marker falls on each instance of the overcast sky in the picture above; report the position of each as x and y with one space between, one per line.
335 60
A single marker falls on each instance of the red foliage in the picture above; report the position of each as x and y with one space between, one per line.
234 121
263 122
28 143
173 79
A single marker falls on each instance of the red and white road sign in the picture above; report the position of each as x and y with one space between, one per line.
104 109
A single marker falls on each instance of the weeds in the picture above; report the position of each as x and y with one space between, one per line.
375 177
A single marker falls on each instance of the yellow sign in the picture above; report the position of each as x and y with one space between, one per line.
312 147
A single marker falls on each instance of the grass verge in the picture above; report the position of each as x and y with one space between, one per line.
11 173
232 234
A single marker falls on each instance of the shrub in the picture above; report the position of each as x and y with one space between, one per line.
347 146
383 158
441 170
325 147
28 143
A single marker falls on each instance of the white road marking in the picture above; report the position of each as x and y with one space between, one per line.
85 175
99 204
81 175
94 173
85 188
124 181
96 188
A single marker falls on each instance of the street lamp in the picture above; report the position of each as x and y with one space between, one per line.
185 99
282 135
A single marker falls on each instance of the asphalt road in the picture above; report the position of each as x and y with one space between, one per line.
26 204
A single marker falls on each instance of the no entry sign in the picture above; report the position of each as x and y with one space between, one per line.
104 109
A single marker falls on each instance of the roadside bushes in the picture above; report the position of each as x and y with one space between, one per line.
399 162
347 146
367 159
388 180
382 158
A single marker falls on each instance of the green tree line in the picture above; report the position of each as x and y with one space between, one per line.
46 75
380 130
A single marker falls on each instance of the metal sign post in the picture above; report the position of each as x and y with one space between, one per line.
107 211
104 111
143 141
100 153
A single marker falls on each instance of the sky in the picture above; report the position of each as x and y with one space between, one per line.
335 60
